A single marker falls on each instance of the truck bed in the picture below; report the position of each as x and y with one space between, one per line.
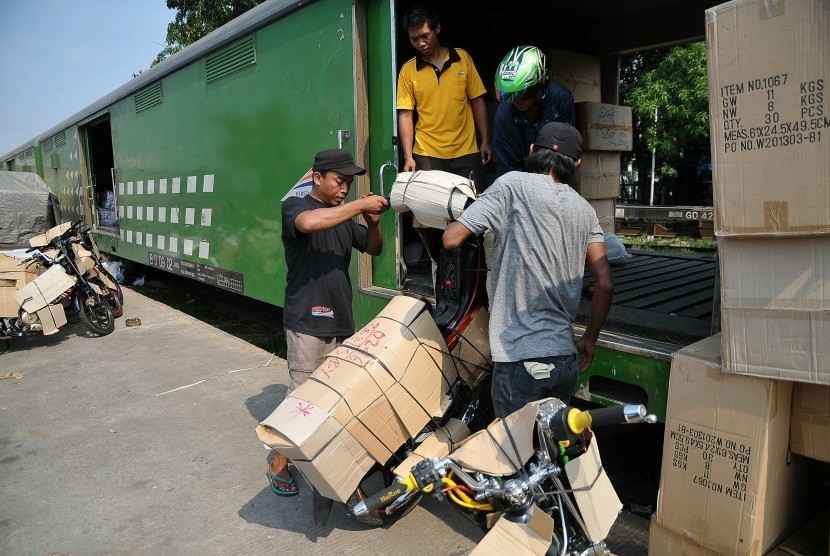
658 296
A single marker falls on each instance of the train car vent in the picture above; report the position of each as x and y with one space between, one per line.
60 139
47 145
236 57
29 153
149 97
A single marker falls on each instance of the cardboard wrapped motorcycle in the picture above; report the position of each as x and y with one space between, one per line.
62 270
401 397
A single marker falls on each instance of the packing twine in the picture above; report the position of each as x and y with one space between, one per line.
217 376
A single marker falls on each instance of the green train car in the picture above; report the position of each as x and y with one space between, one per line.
195 155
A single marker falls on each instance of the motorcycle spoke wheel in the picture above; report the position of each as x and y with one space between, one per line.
96 313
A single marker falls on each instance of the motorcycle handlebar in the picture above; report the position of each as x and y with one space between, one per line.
384 497
578 420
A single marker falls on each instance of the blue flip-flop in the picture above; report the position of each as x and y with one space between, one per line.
275 480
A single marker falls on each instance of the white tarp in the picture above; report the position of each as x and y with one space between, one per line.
27 208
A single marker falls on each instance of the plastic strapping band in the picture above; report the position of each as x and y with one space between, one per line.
449 203
406 186
318 381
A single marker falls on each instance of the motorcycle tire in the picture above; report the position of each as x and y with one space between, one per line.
96 312
380 518
114 296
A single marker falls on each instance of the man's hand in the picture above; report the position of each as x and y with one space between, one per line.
408 164
486 152
586 353
373 206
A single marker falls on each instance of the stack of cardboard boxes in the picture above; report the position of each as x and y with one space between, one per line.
748 419
370 395
606 132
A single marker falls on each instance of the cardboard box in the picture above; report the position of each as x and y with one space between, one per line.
811 540
605 212
369 396
337 470
471 354
768 69
598 175
663 541
12 278
810 421
518 539
37 296
775 298
437 444
728 481
579 73
605 127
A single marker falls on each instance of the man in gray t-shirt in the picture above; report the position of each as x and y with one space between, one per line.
544 234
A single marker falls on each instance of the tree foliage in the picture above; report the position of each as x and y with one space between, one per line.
196 18
672 81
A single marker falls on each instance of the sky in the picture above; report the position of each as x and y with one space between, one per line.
60 56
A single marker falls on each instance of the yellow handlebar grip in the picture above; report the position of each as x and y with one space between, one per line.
578 420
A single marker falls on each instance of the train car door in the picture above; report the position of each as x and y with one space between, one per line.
379 275
98 167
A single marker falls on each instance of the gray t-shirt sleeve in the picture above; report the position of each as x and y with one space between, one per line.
485 211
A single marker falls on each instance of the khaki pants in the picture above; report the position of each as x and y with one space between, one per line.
306 353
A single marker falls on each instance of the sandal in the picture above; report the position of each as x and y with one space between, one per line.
282 485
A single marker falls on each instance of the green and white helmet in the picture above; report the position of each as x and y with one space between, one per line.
522 68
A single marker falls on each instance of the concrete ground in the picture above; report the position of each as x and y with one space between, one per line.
142 442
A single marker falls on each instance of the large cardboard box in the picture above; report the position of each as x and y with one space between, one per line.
604 127
579 73
598 175
12 278
775 296
662 541
810 424
769 66
728 481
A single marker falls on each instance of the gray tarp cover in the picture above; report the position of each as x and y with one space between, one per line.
27 208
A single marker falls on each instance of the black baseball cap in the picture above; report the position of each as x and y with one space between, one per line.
560 137
338 160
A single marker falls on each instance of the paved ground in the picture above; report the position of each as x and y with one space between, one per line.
142 442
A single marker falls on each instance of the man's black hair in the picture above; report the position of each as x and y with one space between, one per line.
545 161
417 15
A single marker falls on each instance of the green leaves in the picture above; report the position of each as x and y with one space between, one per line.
196 18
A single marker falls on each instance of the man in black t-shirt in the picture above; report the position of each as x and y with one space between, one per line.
318 234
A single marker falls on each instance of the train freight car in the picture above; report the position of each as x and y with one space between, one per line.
185 166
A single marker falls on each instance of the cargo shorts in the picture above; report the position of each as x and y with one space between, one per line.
306 353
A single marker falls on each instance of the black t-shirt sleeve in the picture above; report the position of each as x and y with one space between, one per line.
291 208
360 237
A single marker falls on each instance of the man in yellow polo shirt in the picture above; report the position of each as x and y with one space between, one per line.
440 83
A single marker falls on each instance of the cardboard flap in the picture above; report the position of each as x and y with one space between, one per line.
39 293
597 500
518 539
492 451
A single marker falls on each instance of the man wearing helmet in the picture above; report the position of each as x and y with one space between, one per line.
442 84
544 234
529 100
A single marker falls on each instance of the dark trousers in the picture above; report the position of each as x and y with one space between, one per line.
513 387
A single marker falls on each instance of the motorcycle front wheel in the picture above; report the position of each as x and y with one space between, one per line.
96 312
114 296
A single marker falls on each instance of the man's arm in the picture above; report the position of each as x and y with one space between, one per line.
506 141
325 218
374 241
406 131
455 235
480 116
597 261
